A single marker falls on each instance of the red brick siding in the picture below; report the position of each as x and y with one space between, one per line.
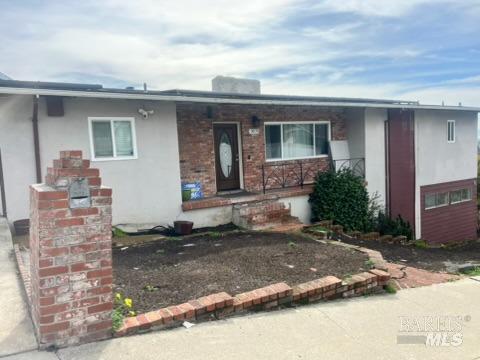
195 134
401 153
455 222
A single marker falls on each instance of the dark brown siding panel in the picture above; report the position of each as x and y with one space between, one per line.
401 163
452 223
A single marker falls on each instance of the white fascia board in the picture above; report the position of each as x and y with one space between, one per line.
178 98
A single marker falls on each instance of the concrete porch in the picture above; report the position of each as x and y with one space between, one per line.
245 197
256 211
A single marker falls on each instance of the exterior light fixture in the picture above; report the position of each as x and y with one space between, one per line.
209 112
255 121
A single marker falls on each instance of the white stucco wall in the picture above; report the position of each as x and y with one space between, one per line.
145 190
366 139
299 207
355 125
375 170
438 161
208 217
18 158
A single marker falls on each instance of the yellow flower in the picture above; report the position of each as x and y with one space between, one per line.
132 313
128 302
118 296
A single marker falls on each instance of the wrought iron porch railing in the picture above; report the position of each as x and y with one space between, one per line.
287 174
357 165
294 173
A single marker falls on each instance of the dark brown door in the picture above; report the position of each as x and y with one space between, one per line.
226 156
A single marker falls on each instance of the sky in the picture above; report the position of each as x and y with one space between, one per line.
410 49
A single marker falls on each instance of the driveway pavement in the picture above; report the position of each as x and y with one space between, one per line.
16 329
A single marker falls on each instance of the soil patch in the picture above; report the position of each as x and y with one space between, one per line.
168 272
436 259
161 233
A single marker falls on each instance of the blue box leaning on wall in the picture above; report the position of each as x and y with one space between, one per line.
192 191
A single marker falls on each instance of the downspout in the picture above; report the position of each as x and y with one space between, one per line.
2 189
36 141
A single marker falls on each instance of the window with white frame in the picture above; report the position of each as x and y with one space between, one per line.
451 131
296 140
112 138
461 195
436 200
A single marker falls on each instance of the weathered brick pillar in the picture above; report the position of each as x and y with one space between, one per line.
71 254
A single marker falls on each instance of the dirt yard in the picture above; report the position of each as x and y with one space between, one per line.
166 272
437 259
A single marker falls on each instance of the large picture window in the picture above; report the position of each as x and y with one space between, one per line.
112 138
287 141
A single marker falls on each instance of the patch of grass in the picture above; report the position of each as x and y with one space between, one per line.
347 276
390 289
118 232
319 228
214 234
369 264
472 272
117 318
421 244
292 244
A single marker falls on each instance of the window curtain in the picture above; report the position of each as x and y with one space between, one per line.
321 139
123 138
273 141
102 139
297 140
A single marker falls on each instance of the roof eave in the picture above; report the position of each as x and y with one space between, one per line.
213 100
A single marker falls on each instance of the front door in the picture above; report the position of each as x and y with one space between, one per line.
226 156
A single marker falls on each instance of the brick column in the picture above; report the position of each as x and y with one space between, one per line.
71 256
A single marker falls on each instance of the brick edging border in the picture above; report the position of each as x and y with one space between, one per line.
24 272
219 305
374 256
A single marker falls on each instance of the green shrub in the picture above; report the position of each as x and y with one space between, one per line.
342 197
394 227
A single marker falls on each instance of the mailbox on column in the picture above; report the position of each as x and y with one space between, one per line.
79 193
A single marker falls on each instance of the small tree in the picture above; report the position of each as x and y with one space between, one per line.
342 197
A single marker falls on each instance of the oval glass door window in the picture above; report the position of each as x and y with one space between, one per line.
226 155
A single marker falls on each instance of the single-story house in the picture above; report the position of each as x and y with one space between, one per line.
236 154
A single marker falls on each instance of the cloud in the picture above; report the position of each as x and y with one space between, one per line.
417 49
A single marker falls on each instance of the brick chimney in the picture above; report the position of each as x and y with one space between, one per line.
234 85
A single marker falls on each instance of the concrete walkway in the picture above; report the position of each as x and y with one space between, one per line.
16 330
361 328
